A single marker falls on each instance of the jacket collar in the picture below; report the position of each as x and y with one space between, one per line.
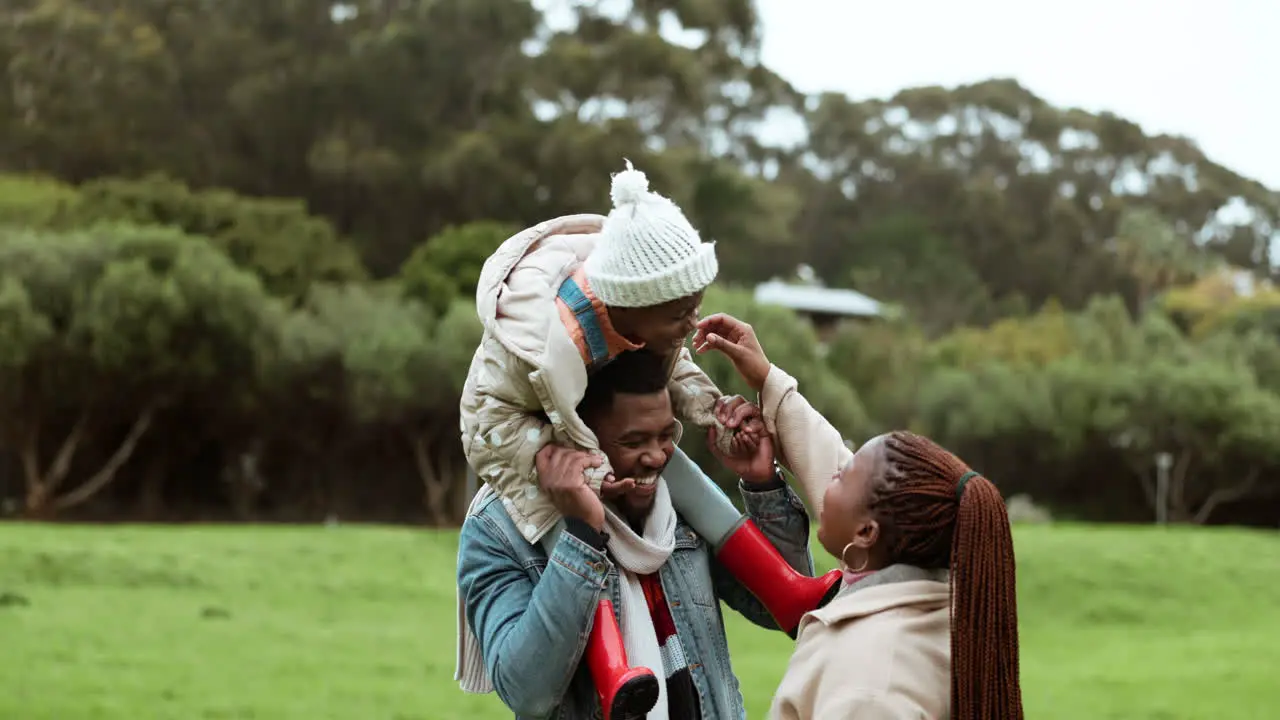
497 268
893 587
896 573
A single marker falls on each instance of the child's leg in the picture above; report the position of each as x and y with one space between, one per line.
743 549
624 691
699 500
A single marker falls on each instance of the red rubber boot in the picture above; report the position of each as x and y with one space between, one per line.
625 691
758 565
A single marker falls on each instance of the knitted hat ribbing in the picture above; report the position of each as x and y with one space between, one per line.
648 252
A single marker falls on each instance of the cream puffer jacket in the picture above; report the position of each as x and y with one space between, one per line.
527 376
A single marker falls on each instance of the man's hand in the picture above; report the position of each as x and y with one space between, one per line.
738 341
562 474
751 456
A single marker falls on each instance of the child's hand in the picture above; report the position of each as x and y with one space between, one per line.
562 474
742 426
613 489
752 460
741 438
734 412
752 429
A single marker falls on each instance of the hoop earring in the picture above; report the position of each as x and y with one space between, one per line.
866 559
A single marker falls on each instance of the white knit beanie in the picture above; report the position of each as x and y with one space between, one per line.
648 252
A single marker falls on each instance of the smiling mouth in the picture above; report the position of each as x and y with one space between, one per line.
646 481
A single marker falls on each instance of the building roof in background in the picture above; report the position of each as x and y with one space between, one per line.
817 299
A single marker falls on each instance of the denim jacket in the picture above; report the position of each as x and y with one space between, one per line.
530 613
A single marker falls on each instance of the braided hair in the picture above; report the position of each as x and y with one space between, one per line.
936 513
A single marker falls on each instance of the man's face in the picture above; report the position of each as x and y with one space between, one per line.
661 327
638 435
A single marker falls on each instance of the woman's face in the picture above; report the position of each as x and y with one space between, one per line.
846 515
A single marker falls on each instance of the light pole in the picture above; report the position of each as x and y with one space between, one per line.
1164 461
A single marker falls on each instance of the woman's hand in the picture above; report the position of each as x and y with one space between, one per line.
737 340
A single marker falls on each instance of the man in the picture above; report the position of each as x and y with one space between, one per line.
532 607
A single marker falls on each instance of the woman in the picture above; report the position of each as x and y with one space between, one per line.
926 625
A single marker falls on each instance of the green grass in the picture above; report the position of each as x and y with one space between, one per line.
115 623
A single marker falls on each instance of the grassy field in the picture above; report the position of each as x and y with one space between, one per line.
151 623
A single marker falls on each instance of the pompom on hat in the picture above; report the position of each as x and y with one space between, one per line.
648 252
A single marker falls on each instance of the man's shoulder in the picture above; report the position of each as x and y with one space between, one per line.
487 517
484 501
687 538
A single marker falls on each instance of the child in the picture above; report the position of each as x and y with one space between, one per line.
562 299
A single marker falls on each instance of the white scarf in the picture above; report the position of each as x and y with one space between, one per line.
635 555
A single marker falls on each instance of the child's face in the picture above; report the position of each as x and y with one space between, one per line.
662 327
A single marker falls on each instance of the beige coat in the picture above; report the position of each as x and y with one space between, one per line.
527 376
882 648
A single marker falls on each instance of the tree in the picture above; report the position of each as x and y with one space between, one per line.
406 377
901 259
288 159
1153 255
108 329
884 362
380 366
447 266
364 111
791 345
388 356
276 239
1027 192
1061 422
1214 420
66 62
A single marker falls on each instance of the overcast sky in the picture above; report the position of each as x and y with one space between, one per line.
1207 70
